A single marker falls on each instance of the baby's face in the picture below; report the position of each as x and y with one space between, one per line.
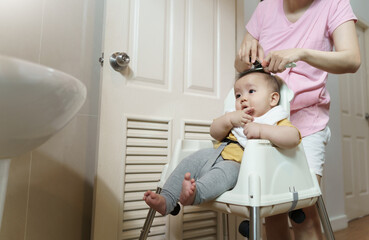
252 90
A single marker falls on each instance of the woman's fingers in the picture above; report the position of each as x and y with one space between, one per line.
260 53
254 50
250 50
277 62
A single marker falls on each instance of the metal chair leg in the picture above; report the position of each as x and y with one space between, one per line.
148 222
324 219
255 233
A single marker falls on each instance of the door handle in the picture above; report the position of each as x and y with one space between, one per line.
119 61
367 116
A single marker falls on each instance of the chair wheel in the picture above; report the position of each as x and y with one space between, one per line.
298 216
244 228
176 210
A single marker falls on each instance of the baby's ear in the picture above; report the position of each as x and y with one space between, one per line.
274 99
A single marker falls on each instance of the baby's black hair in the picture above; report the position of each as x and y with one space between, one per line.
274 81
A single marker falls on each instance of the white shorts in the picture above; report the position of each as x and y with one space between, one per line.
314 147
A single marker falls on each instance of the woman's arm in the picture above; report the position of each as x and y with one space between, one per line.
281 136
345 58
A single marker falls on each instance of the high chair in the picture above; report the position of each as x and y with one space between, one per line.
271 180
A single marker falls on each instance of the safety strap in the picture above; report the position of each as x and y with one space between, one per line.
228 141
295 196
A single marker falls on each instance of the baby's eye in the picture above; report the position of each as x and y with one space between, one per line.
252 91
238 95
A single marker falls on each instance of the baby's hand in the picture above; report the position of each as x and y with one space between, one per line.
241 117
252 130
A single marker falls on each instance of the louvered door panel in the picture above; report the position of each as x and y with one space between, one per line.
147 149
197 130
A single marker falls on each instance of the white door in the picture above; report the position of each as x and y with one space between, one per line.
181 68
355 134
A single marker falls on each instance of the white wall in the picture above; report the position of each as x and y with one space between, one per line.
332 184
361 8
50 190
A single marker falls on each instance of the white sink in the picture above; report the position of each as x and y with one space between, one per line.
35 103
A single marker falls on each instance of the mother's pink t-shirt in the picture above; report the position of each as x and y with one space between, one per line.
313 30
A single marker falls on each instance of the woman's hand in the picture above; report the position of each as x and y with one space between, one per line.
276 61
250 50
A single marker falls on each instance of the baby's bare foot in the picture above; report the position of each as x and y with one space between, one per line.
187 195
155 201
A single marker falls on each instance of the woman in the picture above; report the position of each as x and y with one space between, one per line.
303 31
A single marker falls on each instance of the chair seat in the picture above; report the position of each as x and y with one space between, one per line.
276 180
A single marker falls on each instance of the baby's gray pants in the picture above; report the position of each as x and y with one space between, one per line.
211 179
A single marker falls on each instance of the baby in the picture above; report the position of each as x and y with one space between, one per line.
206 174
